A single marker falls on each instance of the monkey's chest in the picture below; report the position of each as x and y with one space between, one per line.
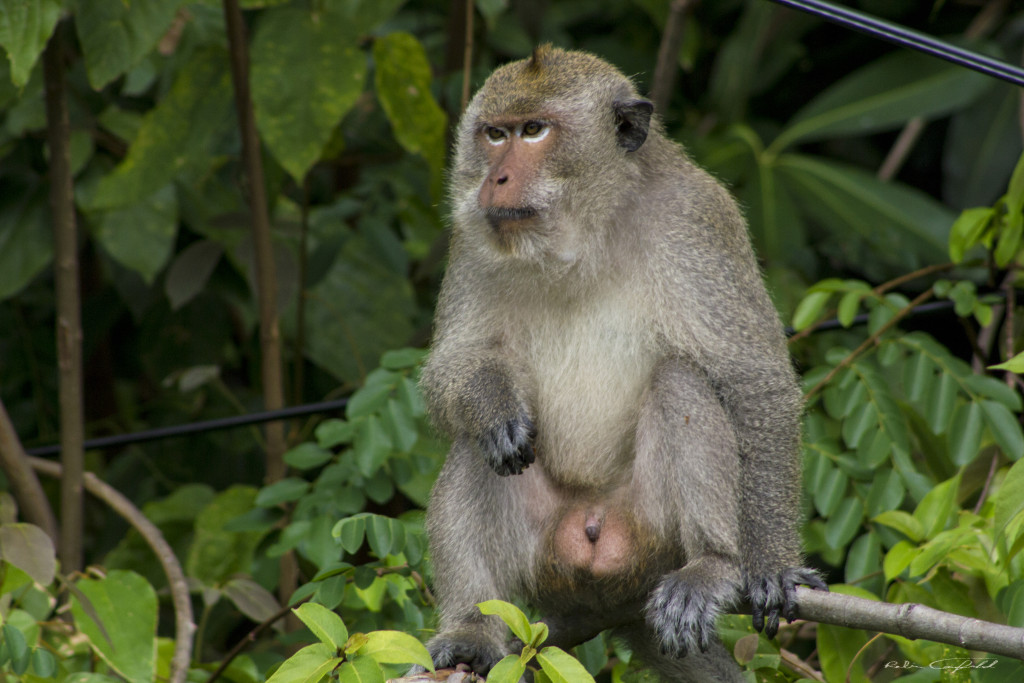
588 372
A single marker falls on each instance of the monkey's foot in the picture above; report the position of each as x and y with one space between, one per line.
683 614
508 447
477 650
774 595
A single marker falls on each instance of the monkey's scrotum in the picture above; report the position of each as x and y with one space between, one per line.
615 381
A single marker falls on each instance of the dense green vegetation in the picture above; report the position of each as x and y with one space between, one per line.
875 180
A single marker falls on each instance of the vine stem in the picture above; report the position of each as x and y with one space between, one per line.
119 503
868 343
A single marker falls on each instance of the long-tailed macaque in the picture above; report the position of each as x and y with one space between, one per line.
624 413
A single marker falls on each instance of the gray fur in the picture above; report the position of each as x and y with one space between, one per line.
616 349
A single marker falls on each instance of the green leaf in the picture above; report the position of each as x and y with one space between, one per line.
863 558
325 624
360 670
403 76
809 309
886 493
368 400
855 427
935 508
331 433
44 664
400 426
828 495
903 225
1009 500
30 549
849 306
918 376
372 446
964 434
350 532
141 236
215 553
307 73
25 28
251 599
899 558
837 649
125 635
308 665
883 95
842 526
903 522
562 667
402 359
307 456
177 137
941 404
190 271
116 35
775 224
283 491
1015 191
395 647
508 670
1009 240
511 615
1005 428
967 231
26 242
1015 364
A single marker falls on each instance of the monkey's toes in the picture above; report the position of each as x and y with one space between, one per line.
682 617
472 649
508 448
772 596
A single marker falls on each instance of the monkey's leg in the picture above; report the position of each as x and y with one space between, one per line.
482 548
686 475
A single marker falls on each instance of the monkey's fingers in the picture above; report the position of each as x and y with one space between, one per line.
794 578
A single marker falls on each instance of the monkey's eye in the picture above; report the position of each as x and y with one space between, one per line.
531 128
494 134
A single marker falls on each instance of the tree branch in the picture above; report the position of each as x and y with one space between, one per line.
668 55
184 627
24 483
69 315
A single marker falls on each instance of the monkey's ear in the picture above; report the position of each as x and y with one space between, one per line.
632 121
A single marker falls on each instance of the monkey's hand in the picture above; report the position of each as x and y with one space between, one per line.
508 446
474 648
772 595
684 607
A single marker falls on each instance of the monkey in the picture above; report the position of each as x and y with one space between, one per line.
624 415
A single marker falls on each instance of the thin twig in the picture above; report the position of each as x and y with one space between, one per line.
184 627
250 638
668 54
25 485
868 343
467 55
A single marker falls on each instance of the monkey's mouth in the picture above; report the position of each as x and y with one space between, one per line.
499 216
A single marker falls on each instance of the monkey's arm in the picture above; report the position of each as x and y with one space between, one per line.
738 337
470 388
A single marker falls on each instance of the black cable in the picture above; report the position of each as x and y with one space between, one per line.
862 319
905 37
199 427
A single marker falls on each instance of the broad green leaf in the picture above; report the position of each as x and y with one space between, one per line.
918 376
402 359
334 432
899 558
903 225
360 670
1005 428
371 447
809 309
1009 240
882 96
14 642
307 456
283 491
935 508
403 76
190 271
325 624
1015 364
849 306
44 664
828 496
141 236
307 72
855 427
308 665
177 137
251 599
26 241
125 637
116 35
964 434
562 667
28 548
1009 500
511 615
1015 191
936 549
508 670
368 400
863 558
903 522
350 532
941 403
886 493
993 388
837 648
25 28
409 393
779 234
395 647
842 526
385 535
215 553
400 425
967 231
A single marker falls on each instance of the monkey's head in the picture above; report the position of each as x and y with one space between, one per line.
548 150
